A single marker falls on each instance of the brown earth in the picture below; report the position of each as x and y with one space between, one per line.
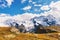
6 34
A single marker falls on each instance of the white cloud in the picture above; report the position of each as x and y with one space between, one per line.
27 8
6 3
3 18
33 2
55 11
46 7
9 2
55 5
37 5
30 0
3 5
23 1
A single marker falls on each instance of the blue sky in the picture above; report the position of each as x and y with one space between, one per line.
17 6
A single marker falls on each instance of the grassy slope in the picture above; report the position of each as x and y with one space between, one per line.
4 32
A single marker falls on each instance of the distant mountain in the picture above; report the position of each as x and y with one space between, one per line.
27 20
45 20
